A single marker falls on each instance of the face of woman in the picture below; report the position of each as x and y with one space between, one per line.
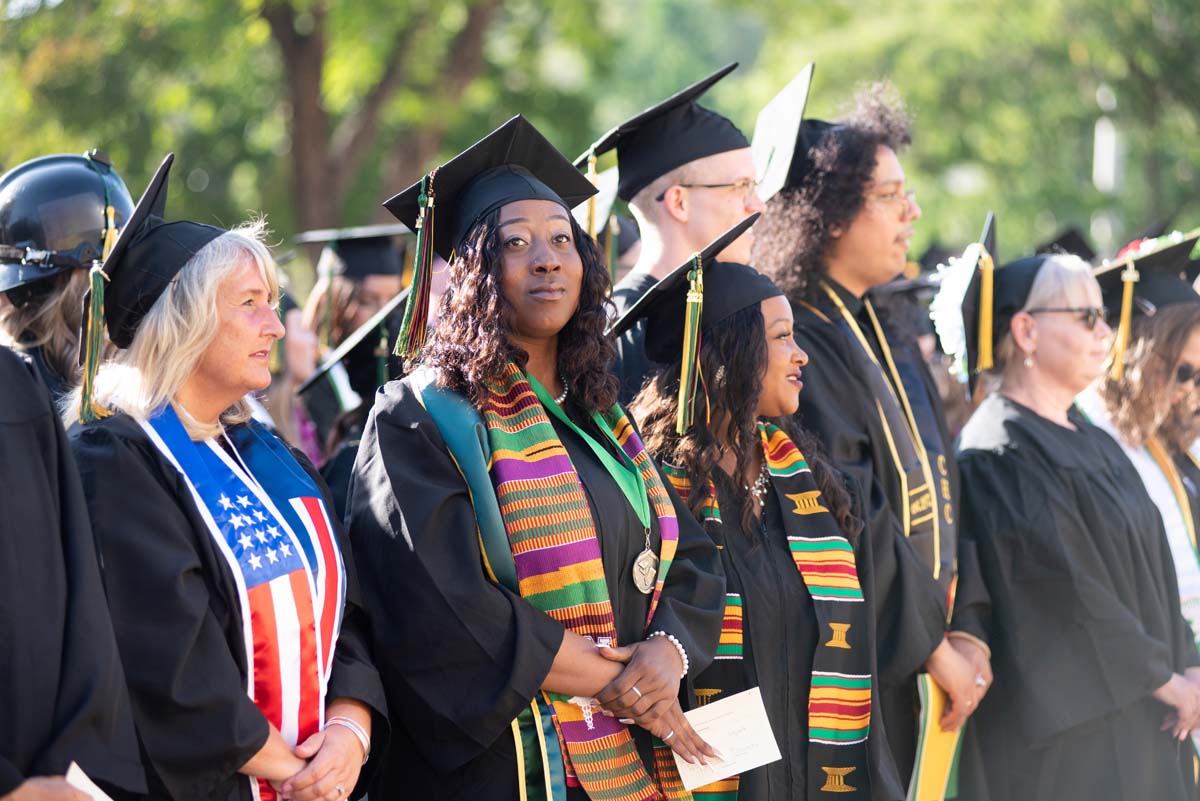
238 361
372 293
1189 365
541 270
781 381
1066 351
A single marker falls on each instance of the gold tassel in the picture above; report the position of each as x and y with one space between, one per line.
611 245
689 368
592 176
110 231
414 329
987 291
93 346
1129 277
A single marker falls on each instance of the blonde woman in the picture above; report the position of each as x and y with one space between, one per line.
1080 608
223 566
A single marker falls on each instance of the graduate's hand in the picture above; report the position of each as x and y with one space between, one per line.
668 723
652 666
336 757
1184 699
956 676
46 788
977 658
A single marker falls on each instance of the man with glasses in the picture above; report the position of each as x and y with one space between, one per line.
688 176
842 226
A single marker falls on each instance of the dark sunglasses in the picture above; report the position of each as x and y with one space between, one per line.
1185 373
1090 317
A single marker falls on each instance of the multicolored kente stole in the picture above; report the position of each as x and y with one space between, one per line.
559 571
839 703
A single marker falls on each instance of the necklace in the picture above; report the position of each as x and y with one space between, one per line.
761 484
561 399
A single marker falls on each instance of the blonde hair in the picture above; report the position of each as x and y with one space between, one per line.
50 320
1062 280
177 331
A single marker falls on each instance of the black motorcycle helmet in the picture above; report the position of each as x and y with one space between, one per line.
54 217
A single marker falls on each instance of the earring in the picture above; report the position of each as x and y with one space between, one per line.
1028 360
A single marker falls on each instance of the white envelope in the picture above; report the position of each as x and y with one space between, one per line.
737 727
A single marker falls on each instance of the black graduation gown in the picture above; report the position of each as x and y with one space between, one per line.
1189 474
62 690
838 406
461 656
780 638
1084 619
632 367
178 624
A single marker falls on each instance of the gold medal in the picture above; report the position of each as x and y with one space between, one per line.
645 569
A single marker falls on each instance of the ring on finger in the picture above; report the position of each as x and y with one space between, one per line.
636 691
670 734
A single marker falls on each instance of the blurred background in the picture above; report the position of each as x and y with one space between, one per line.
1053 113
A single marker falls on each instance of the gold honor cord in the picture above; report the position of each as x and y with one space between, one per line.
1158 452
1129 277
901 397
987 283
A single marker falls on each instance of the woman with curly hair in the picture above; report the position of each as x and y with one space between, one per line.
1149 406
797 623
537 592
839 228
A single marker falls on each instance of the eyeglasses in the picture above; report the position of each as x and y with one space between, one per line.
908 197
1185 373
1090 317
744 187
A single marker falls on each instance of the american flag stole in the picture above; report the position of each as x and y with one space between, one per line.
559 570
269 521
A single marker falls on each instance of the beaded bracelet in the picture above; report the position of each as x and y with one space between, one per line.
356 729
678 647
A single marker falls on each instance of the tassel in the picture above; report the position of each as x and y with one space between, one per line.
110 231
1129 277
414 329
592 228
689 369
987 274
93 345
610 246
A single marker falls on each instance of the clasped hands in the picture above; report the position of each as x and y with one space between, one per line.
647 693
1181 694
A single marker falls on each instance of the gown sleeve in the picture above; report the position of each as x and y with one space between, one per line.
354 675
692 605
460 656
196 722
909 607
1055 604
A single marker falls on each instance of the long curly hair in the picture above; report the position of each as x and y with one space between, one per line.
471 342
735 350
1139 401
792 240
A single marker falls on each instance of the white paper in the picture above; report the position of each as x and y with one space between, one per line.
80 781
737 727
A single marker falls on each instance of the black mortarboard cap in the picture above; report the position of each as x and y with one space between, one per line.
514 162
776 132
665 136
1070 240
362 251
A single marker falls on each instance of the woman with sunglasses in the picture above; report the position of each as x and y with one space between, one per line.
1147 402
1080 606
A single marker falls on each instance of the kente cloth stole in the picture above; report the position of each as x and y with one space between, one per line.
269 521
839 704
559 571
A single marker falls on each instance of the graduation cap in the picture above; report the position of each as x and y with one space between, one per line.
665 136
1159 272
677 309
514 162
1070 240
776 131
614 233
361 251
147 255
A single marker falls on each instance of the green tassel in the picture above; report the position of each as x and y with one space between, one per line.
93 346
689 369
414 329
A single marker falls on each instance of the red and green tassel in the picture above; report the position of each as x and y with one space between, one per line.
414 329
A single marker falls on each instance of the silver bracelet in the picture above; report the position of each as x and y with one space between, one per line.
356 729
678 647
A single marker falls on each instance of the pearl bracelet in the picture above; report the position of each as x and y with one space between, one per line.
356 729
678 647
